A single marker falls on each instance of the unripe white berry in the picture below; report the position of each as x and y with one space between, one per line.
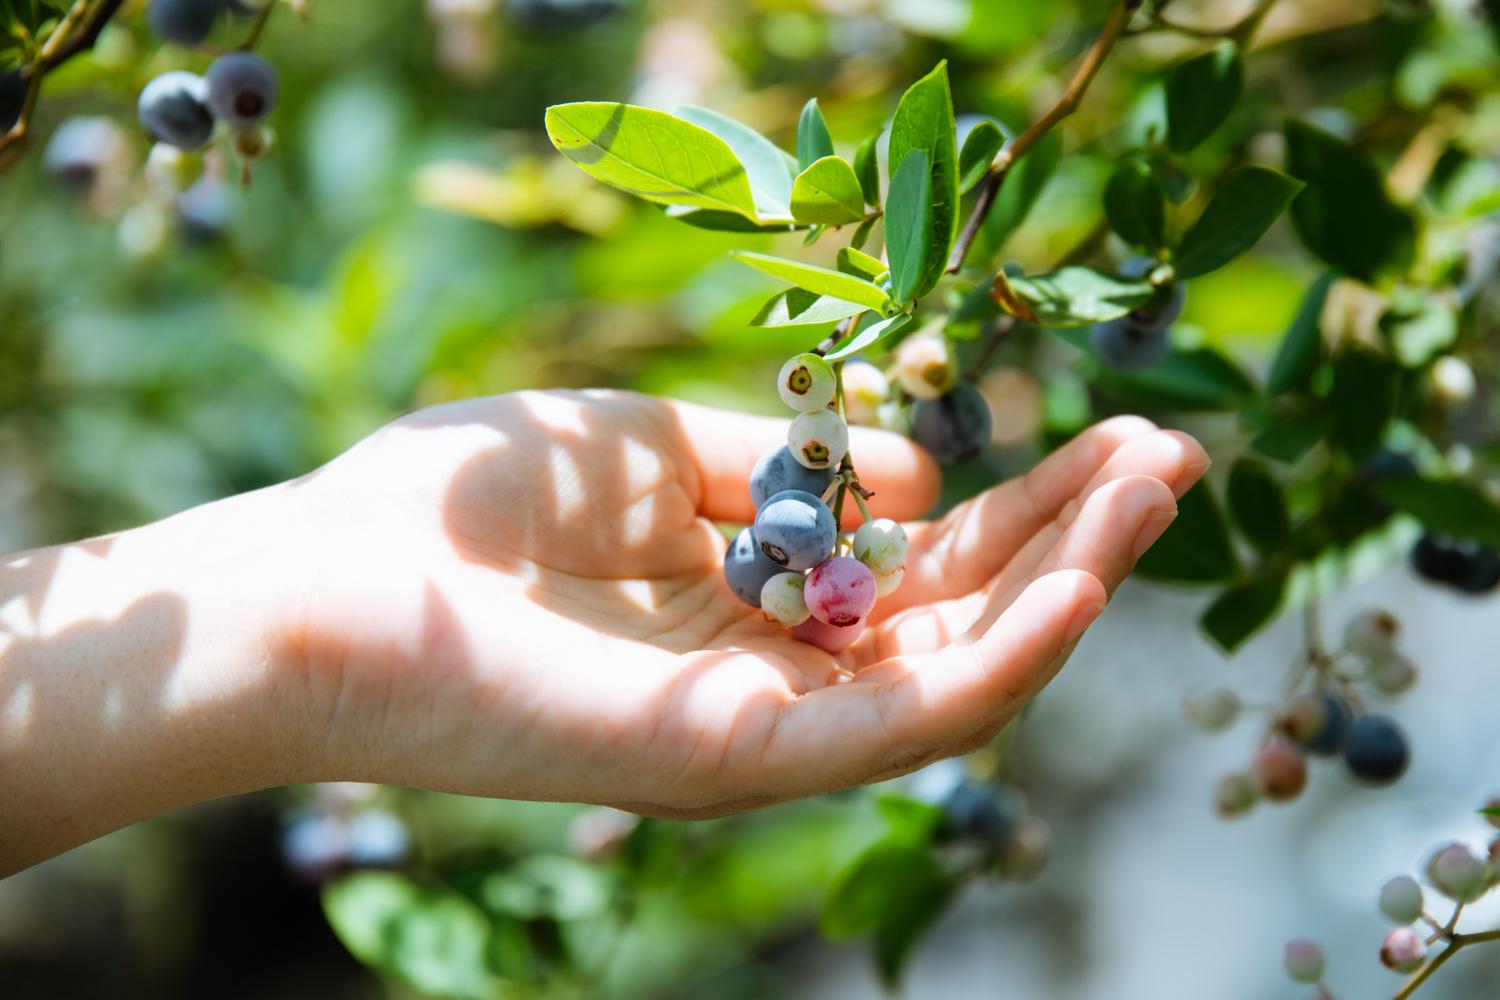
865 388
887 584
171 170
881 545
1455 872
807 383
1372 634
1404 950
925 365
1392 674
1026 849
1304 960
1452 381
1401 899
1235 795
1212 710
818 440
782 599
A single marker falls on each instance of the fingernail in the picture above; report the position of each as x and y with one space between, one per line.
1151 529
1082 619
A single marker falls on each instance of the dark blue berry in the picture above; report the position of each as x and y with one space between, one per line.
1128 344
1336 719
1459 563
747 568
796 530
1375 750
561 15
955 426
778 471
242 88
981 813
186 22
174 109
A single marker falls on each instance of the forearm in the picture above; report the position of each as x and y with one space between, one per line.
137 675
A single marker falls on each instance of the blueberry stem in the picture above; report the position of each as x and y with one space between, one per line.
260 25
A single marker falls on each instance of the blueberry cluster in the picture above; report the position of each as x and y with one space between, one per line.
342 830
1456 872
984 826
1323 718
945 415
793 563
1140 338
183 110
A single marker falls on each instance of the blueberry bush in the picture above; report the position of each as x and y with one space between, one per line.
984 224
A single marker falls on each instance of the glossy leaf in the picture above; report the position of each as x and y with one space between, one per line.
924 123
867 169
908 216
1345 215
1363 401
813 139
652 155
828 193
1184 381
799 307
981 146
1302 345
852 260
1134 205
1447 506
1238 216
1201 93
1258 506
1071 296
818 279
769 169
871 336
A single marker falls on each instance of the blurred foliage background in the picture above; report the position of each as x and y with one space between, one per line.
414 239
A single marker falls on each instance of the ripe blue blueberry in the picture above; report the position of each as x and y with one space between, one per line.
778 470
82 148
747 568
954 427
313 845
795 530
561 15
1459 563
1376 750
980 813
203 210
242 88
377 839
174 109
1128 344
186 22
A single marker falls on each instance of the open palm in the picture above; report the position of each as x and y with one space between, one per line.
522 596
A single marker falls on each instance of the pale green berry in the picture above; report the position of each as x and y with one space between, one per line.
1401 899
818 440
1372 634
783 601
1392 674
925 366
1235 795
1304 961
807 383
1453 381
865 388
881 545
888 583
1212 710
1455 872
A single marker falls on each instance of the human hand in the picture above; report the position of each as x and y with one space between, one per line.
522 597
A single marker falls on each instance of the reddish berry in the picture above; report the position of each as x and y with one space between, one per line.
1279 770
829 638
1303 960
840 591
1404 950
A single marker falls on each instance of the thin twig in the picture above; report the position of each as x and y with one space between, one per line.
1427 970
999 332
1065 105
839 333
258 26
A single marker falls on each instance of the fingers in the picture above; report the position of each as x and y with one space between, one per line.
965 549
722 448
909 709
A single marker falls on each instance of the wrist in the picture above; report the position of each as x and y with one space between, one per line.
142 675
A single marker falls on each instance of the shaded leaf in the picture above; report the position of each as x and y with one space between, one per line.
981 146
1288 440
1302 345
1240 612
924 122
813 139
1258 506
1238 216
1074 296
1446 506
908 215
871 336
852 260
821 280
1363 401
1134 205
1200 94
867 168
1024 182
1196 547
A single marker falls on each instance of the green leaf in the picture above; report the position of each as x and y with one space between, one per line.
1239 215
1240 612
1490 811
768 167
652 155
1302 345
1363 401
813 140
1196 380
1345 215
1200 94
1024 182
909 821
1075 296
1196 547
981 146
1288 440
1419 330
871 336
852 260
895 890
1258 506
867 168
818 279
828 193
908 216
434 940
1134 205
799 307
862 234
1446 506
924 123
725 222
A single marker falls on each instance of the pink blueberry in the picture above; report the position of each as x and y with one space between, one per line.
829 638
840 591
1404 950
